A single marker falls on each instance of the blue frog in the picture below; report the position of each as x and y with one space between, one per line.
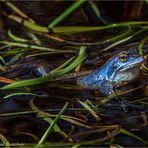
120 69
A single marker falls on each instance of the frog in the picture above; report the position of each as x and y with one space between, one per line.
120 69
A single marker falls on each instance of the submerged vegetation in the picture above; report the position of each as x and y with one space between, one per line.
43 51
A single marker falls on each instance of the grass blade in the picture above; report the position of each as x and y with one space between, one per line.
132 135
49 130
69 10
5 142
20 94
51 75
90 110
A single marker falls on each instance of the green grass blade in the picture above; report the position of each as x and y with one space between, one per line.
140 47
20 94
56 127
92 112
15 9
23 45
146 2
49 130
34 38
68 11
16 38
132 135
72 29
2 60
5 142
125 39
77 29
96 11
25 83
52 75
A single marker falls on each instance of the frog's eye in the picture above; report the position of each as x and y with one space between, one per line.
123 56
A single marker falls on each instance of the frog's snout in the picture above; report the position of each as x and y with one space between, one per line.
140 60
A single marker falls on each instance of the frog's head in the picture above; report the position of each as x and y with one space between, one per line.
123 67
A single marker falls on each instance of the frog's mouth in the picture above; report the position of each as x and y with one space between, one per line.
125 68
